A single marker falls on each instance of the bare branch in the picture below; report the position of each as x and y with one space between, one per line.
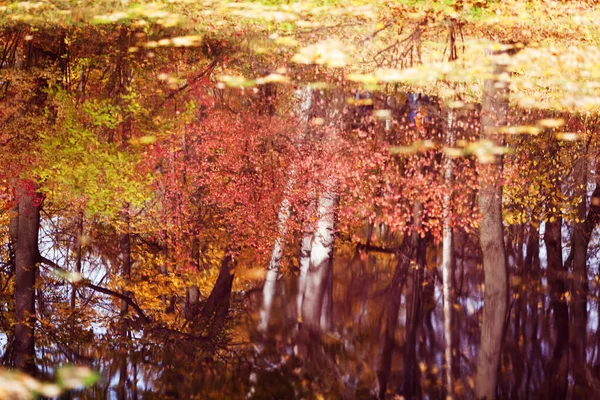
100 289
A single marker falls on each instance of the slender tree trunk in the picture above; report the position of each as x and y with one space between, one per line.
273 268
404 269
525 315
326 320
26 258
581 237
448 259
579 248
414 317
319 271
305 250
192 295
270 284
125 247
390 323
317 311
494 114
192 302
557 373
78 257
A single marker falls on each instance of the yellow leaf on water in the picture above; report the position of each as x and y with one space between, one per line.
551 122
568 136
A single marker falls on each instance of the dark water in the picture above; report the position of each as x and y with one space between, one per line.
540 345
537 359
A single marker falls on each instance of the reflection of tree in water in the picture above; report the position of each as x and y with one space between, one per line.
160 300
388 332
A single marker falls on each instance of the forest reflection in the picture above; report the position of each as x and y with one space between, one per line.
350 361
387 338
299 200
352 304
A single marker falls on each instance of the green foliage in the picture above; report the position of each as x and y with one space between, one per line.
77 165
102 113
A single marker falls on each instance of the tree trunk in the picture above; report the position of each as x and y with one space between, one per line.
390 323
414 316
557 369
317 306
305 250
580 240
318 274
493 114
582 233
326 320
447 259
216 308
26 258
273 268
125 248
192 302
78 257
302 112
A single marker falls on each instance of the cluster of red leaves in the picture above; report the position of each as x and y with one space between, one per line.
221 178
383 188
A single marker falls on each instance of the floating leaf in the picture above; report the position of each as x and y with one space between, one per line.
272 78
569 136
382 114
186 41
453 152
363 78
236 81
359 102
551 122
403 150
286 41
518 129
330 53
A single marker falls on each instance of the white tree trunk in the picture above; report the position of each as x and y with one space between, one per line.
447 258
321 257
273 268
317 305
270 284
305 251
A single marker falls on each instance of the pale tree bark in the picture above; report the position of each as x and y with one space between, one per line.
326 321
78 257
319 272
273 268
26 258
317 306
493 115
125 249
447 259
305 250
270 284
